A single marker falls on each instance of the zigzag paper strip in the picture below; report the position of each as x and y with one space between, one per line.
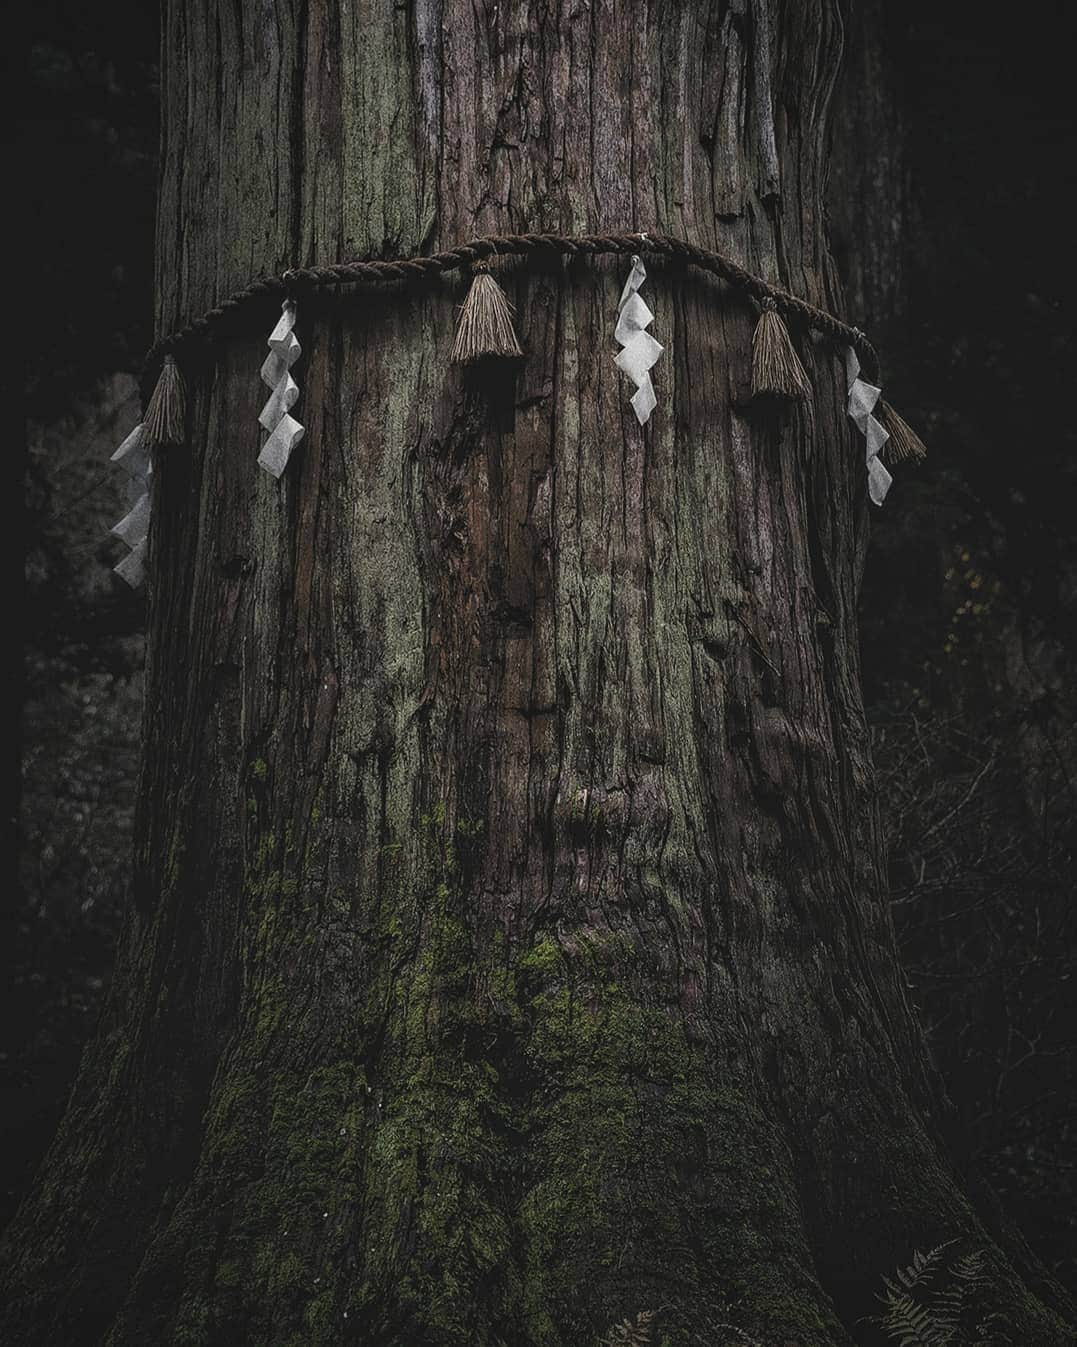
136 460
862 399
132 568
285 431
640 348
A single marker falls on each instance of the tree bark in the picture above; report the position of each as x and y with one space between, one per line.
508 950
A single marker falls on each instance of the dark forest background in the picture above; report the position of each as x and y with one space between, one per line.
968 627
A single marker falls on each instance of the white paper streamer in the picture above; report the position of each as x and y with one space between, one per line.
640 348
133 567
862 399
134 527
135 458
285 432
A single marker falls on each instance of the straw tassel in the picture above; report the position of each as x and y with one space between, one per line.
904 443
166 415
485 327
776 368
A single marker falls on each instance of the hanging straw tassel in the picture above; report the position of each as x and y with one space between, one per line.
776 368
903 442
485 326
166 415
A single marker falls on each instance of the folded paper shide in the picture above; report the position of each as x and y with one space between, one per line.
486 332
285 431
135 458
862 400
639 350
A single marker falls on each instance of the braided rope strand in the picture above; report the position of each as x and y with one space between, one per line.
380 270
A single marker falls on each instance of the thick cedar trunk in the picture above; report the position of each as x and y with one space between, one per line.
508 949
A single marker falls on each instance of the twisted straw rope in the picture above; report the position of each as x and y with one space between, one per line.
293 283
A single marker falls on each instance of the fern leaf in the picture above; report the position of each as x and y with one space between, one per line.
629 1334
910 1324
923 1267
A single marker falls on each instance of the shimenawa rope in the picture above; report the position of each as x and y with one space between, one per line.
295 282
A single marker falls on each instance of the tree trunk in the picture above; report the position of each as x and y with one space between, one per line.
508 950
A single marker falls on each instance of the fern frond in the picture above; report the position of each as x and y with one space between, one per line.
933 1304
970 1268
630 1334
990 1330
911 1324
948 1305
923 1266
